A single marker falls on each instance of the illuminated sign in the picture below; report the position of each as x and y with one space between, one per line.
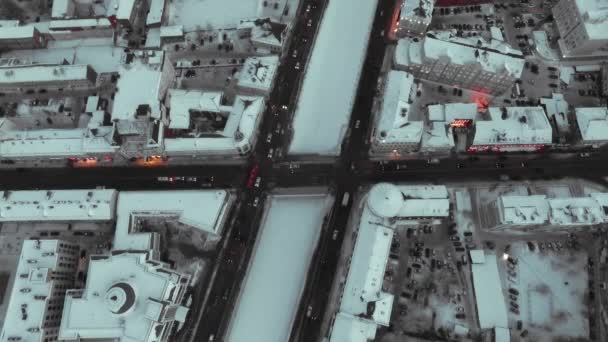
461 123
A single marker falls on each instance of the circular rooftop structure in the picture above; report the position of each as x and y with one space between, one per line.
385 200
120 298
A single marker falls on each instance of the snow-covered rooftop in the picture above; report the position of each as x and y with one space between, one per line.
366 273
241 125
522 125
258 72
26 309
493 56
394 123
437 135
489 297
183 102
477 256
125 8
419 10
75 142
139 84
62 9
332 76
43 74
268 32
276 275
449 112
592 123
201 209
575 211
386 200
557 107
595 16
172 31
349 328
128 297
16 32
57 205
524 210
155 15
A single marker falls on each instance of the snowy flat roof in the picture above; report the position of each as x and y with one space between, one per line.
592 123
420 10
524 210
489 297
408 51
200 209
139 84
349 328
502 334
596 21
62 8
534 129
492 56
125 8
184 101
452 111
425 208
477 256
394 123
16 32
43 73
172 31
9 23
275 279
424 191
575 211
57 205
332 77
54 142
258 72
438 135
366 273
44 255
242 124
125 298
557 107
155 15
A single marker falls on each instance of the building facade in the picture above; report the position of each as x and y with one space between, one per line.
21 37
47 268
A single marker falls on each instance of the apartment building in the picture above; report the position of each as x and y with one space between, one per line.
414 18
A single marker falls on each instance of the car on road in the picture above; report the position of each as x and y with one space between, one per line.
309 23
269 138
258 181
294 53
552 85
585 154
513 291
256 201
270 153
297 66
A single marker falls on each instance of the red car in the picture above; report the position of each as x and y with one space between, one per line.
252 176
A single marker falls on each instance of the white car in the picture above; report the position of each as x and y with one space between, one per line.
269 138
297 67
309 24
256 201
294 54
257 182
270 153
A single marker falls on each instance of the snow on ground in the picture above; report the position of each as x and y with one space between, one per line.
211 14
490 193
332 77
552 293
558 191
276 276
